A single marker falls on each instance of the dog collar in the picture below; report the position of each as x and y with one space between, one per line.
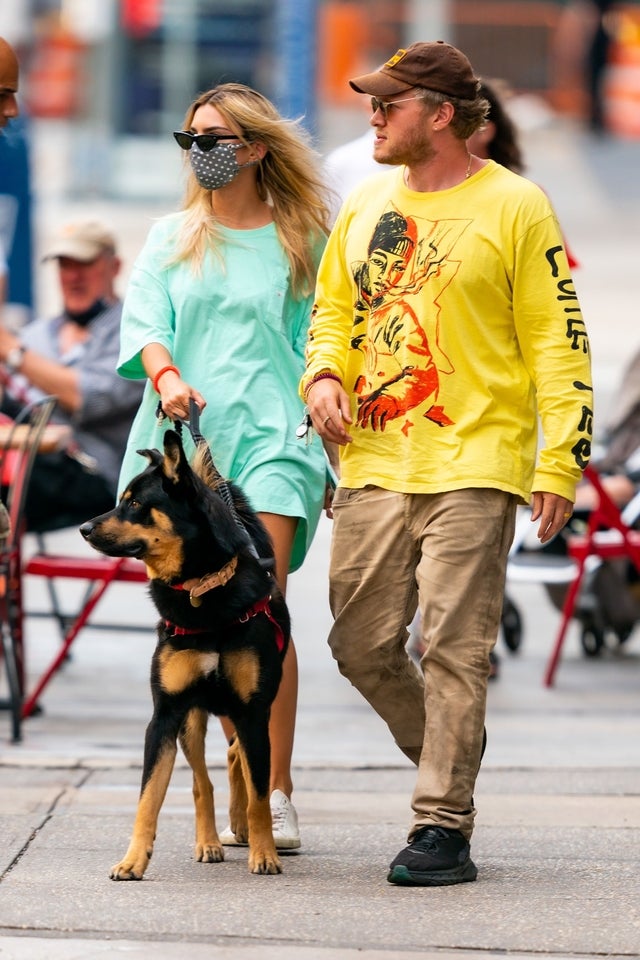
209 582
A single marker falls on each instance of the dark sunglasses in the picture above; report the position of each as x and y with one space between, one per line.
205 141
384 106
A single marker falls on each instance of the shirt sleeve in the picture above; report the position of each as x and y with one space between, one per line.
332 314
300 311
555 347
104 394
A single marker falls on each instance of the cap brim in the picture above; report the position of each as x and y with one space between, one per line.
379 84
81 253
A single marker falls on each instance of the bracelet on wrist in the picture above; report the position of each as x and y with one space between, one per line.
323 375
161 372
14 358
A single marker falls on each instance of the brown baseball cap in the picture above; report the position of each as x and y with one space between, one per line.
435 66
83 241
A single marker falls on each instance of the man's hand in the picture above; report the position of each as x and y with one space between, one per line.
328 405
553 512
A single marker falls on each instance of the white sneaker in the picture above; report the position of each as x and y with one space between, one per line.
285 821
228 839
285 825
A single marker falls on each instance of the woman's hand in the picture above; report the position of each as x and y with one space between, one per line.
175 394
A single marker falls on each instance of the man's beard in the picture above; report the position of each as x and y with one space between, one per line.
417 148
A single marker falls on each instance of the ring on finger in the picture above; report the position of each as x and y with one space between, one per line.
325 421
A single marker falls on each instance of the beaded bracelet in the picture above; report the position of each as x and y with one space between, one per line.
161 372
323 375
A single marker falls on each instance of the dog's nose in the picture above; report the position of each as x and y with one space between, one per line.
87 529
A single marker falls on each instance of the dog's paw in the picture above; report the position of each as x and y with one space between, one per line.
264 862
126 871
209 852
129 870
240 831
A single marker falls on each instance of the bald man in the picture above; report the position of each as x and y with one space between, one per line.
8 110
8 83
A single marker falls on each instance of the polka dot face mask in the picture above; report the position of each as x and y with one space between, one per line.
217 167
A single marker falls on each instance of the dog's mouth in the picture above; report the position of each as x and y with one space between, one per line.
136 548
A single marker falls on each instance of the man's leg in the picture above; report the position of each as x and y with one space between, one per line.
465 537
373 599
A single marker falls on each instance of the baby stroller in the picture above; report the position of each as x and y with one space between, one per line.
599 547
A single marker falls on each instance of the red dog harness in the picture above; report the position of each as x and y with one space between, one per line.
261 606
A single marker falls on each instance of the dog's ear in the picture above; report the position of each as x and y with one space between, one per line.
174 464
153 456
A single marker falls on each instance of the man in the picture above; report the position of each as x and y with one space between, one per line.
73 357
8 110
8 83
432 385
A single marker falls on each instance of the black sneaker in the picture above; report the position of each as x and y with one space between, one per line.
436 857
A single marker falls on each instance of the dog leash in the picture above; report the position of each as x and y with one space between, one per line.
222 487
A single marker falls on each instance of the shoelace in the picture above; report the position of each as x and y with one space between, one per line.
430 838
279 815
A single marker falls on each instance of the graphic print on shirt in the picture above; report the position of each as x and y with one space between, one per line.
403 358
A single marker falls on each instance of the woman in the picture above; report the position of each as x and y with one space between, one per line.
217 310
497 139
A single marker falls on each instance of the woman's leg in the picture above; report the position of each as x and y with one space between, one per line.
283 712
282 531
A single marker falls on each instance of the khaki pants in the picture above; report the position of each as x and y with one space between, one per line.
449 551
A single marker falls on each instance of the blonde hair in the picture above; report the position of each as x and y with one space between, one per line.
288 177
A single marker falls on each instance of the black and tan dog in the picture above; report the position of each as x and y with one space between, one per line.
223 633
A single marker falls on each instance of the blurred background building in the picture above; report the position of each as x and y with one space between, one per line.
104 82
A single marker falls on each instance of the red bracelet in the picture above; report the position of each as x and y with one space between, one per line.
161 372
323 375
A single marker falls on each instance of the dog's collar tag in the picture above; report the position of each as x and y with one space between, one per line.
195 601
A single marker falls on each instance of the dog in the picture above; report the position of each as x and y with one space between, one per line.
223 632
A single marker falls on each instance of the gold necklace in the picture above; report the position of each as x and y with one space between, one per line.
405 175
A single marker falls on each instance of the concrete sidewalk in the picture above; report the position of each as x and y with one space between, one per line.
557 840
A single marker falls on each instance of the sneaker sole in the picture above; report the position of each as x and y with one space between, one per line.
404 877
283 845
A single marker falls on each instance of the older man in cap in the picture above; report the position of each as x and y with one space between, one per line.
446 323
73 357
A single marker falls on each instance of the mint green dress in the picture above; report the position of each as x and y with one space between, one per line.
237 335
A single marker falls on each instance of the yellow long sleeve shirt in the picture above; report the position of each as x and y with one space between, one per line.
452 319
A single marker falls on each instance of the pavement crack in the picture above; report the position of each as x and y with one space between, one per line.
40 827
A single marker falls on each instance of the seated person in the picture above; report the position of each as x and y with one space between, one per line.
73 357
619 463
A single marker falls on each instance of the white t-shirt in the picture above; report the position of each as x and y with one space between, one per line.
348 164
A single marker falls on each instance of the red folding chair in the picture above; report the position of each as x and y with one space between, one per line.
608 536
21 441
99 573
